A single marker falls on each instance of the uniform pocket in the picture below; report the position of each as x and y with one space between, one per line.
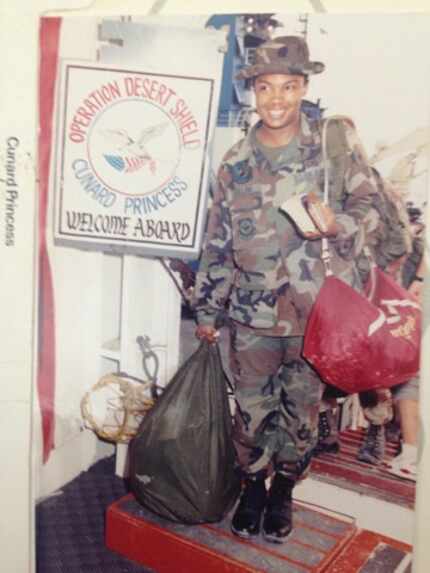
246 218
260 268
255 308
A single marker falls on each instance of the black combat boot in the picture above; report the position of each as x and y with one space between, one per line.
328 439
278 517
372 449
247 517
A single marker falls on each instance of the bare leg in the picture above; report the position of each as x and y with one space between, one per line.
405 464
408 414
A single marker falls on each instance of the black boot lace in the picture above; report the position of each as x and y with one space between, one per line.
372 442
324 428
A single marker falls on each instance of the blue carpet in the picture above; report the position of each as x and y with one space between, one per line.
70 526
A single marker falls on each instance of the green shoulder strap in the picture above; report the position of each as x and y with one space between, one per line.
338 150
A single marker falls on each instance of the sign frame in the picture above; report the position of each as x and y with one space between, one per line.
128 232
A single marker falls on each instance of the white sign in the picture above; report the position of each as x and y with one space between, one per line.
132 165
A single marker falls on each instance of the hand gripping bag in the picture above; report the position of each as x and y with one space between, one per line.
182 461
360 343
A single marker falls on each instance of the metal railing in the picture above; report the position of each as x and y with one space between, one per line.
234 118
249 56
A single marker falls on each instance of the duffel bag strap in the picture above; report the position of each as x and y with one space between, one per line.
325 250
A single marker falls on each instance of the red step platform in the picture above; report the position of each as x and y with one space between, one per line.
370 552
320 542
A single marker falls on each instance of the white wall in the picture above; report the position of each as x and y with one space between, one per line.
77 286
102 304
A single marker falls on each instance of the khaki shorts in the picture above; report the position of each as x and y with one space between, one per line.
407 391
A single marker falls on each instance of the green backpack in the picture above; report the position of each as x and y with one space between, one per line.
392 238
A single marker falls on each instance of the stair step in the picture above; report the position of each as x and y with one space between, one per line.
321 541
143 537
344 470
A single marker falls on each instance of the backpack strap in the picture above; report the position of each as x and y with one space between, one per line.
334 146
338 138
337 150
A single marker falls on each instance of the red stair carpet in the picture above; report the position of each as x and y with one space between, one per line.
344 470
321 542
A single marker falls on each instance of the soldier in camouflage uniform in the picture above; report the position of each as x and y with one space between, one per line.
258 263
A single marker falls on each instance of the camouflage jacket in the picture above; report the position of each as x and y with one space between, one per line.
254 259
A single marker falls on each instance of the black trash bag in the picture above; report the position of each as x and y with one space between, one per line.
182 460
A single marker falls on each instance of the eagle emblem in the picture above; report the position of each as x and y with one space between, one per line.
130 155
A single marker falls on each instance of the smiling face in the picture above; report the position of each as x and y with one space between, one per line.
278 99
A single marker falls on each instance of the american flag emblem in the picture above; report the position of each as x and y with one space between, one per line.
130 154
116 161
130 164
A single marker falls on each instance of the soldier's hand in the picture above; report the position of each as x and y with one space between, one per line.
209 333
415 289
323 217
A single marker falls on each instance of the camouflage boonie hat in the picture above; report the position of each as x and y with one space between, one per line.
284 55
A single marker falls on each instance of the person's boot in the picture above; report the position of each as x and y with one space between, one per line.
328 438
393 434
373 448
247 517
278 517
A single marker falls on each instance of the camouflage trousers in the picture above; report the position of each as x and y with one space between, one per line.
278 396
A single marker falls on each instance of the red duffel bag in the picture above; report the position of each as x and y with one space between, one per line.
357 343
